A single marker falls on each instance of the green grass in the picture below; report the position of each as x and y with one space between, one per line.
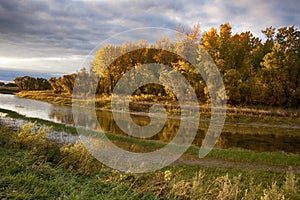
261 157
50 170
24 177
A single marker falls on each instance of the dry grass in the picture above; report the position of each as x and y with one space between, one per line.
172 183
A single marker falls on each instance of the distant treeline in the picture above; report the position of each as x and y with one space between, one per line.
254 72
31 83
2 84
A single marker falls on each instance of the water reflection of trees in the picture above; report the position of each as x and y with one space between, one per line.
167 134
108 124
263 142
61 114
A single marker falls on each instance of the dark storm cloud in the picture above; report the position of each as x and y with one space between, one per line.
64 29
46 24
74 24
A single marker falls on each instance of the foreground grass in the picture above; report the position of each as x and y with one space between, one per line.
24 176
34 167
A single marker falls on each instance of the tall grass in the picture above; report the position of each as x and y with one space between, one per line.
34 167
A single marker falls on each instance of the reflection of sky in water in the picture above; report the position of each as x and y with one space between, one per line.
63 114
32 108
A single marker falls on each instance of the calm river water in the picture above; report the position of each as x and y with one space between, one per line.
238 139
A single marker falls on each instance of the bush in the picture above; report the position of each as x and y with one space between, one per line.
28 137
78 158
5 135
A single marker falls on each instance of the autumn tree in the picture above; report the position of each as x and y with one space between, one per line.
236 57
63 84
56 87
254 72
31 83
281 72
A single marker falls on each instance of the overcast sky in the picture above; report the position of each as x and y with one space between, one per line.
55 36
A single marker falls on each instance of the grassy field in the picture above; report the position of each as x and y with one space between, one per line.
35 167
223 174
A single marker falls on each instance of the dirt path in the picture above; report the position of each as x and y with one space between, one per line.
220 163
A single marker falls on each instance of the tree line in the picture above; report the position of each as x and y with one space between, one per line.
2 84
254 71
60 85
31 83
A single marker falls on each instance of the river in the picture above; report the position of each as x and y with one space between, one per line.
237 139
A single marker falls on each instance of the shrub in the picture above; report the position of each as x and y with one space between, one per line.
77 157
290 186
28 137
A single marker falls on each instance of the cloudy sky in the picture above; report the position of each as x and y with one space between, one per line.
53 37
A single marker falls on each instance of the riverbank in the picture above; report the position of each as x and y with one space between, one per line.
33 166
9 90
47 96
143 103
251 121
239 134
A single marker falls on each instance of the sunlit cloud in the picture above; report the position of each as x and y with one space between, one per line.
47 64
5 60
